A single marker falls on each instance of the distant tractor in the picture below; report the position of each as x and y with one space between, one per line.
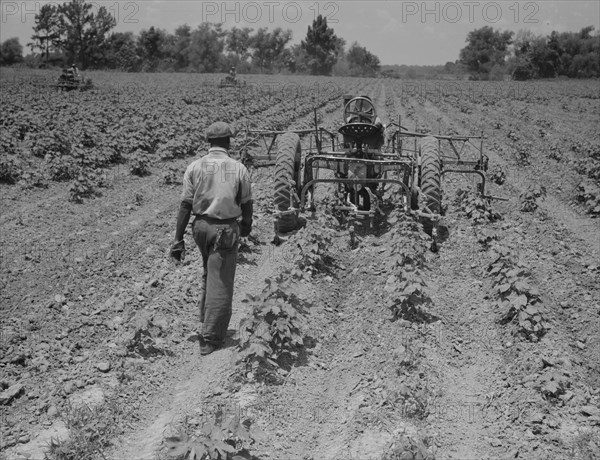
231 81
364 163
70 79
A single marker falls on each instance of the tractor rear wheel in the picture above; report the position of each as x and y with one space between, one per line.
287 169
431 166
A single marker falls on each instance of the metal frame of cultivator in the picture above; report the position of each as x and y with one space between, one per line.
395 163
69 81
231 82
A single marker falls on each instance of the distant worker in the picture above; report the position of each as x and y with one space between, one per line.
216 189
232 72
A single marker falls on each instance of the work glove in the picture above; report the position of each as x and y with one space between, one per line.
177 252
245 228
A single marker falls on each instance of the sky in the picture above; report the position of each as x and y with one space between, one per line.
398 32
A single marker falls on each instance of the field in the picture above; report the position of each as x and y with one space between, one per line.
486 349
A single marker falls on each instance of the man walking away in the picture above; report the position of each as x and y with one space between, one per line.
216 189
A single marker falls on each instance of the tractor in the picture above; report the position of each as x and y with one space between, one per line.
363 160
69 79
231 81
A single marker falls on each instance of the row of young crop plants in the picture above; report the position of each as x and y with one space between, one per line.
272 336
526 142
84 153
518 299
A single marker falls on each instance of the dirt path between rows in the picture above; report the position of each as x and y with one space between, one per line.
490 390
200 378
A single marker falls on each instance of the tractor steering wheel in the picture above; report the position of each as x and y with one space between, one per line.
360 110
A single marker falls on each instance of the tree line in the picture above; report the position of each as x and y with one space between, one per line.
73 33
493 54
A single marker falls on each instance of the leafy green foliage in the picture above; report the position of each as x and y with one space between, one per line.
85 185
271 337
555 152
553 383
409 295
530 196
56 143
139 164
476 207
407 447
523 153
179 147
409 244
10 170
516 295
486 48
406 286
321 46
589 196
571 54
486 237
33 179
213 440
172 176
497 175
361 62
310 251
62 168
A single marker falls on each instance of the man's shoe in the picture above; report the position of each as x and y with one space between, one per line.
207 348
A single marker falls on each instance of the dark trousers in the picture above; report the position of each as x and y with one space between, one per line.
218 242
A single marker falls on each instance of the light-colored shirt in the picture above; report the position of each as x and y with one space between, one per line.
216 185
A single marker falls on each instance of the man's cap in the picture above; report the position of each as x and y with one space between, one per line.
218 130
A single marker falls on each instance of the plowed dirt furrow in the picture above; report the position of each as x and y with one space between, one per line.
492 393
198 378
464 367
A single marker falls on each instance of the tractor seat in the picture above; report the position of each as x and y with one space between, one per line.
359 131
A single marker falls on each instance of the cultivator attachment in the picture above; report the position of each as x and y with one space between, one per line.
362 168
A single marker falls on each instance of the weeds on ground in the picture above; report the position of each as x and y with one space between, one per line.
91 431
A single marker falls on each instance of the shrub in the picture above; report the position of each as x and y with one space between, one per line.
10 170
139 164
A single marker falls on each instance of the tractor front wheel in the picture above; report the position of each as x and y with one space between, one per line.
431 166
287 170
